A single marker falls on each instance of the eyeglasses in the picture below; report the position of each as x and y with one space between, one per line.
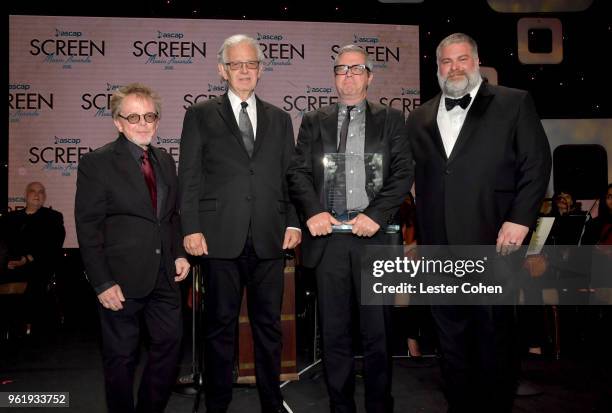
134 118
253 64
354 69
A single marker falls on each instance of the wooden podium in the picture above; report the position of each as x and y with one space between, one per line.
246 359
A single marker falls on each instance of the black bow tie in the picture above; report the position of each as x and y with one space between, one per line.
463 102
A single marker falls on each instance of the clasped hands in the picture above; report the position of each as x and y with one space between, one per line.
321 224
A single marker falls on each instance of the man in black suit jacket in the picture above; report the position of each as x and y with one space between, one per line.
482 167
235 210
358 127
128 230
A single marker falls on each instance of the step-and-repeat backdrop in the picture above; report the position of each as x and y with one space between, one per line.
63 70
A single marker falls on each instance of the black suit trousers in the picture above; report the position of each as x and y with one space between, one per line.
338 293
161 313
224 282
479 356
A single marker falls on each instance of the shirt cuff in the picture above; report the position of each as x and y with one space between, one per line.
296 228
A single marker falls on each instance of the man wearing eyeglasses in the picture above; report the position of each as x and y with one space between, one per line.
235 212
129 236
350 130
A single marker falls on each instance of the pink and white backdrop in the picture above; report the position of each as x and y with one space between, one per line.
63 70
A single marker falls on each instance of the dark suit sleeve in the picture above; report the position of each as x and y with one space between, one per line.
534 164
190 172
288 151
90 213
397 184
175 219
300 173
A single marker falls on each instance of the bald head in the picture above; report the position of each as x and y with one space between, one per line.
35 195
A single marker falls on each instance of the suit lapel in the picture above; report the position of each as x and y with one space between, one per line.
226 113
374 126
128 169
329 128
432 126
262 124
472 120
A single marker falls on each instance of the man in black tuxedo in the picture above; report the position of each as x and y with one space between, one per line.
129 236
482 167
352 128
235 211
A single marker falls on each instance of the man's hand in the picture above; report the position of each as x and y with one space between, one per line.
195 244
510 237
364 226
182 269
292 238
17 263
321 224
112 298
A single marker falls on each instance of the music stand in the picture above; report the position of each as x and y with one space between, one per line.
193 384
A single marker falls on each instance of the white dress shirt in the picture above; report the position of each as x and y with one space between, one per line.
235 102
451 121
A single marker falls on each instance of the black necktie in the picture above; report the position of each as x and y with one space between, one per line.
344 129
463 102
149 176
246 129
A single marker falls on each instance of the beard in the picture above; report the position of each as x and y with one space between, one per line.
460 85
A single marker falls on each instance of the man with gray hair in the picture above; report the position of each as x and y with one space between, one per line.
236 214
353 132
127 225
482 167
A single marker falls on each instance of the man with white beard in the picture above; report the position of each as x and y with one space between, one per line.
482 167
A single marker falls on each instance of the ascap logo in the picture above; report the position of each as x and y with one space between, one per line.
110 87
64 141
310 89
67 33
364 39
172 146
25 103
217 88
168 53
18 86
410 91
266 36
169 35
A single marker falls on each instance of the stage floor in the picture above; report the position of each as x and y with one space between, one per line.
68 359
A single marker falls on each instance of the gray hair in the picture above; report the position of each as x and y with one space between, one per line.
457 38
355 49
233 41
137 89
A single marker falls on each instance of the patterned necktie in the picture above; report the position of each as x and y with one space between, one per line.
464 102
344 129
246 129
149 176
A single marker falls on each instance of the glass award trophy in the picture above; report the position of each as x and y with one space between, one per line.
362 174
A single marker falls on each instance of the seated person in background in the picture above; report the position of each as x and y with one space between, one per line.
598 231
34 237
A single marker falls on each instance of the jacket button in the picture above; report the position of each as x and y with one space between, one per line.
447 172
249 197
157 251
